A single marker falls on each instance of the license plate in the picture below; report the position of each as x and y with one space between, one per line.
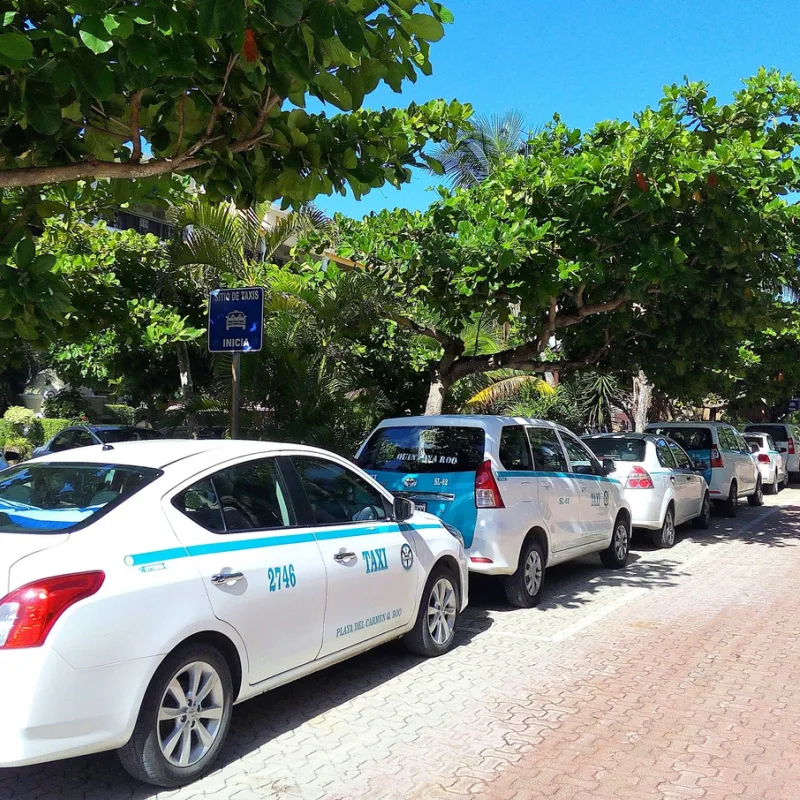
420 506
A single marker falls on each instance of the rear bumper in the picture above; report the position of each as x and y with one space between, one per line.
496 544
768 473
52 710
647 508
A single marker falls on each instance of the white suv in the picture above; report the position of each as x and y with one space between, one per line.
525 494
723 455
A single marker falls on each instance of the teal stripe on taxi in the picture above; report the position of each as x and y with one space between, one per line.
157 556
502 474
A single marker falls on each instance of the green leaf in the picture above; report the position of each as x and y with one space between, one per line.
8 17
288 12
95 78
124 27
349 29
25 252
43 111
425 26
334 90
15 46
446 15
94 35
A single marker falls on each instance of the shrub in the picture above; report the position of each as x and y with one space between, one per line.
68 404
20 419
120 413
20 445
6 432
50 427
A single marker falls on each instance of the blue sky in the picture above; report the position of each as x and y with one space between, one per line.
587 60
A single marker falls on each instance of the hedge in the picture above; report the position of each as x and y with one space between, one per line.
120 413
50 427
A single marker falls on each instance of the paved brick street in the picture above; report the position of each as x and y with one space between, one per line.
676 678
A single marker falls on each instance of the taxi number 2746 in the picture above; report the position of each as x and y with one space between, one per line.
282 577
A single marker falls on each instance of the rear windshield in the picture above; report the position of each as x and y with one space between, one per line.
777 432
424 449
754 437
688 438
52 498
618 449
113 435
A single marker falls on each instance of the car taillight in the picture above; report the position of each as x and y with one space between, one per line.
716 458
639 478
763 458
791 447
27 614
487 494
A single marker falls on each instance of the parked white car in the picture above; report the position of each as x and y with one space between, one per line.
787 437
771 462
728 466
525 494
661 482
148 586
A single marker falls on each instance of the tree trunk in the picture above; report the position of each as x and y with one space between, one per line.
642 393
441 380
187 388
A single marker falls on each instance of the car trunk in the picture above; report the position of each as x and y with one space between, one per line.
16 546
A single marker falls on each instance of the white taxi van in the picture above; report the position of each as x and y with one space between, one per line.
146 587
525 494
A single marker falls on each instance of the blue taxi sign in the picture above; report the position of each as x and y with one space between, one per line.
235 320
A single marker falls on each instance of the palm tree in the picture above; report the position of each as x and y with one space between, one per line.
483 146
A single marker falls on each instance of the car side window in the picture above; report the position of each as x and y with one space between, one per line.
771 444
253 497
515 453
201 504
83 439
547 453
684 462
337 495
726 440
62 442
580 458
741 444
665 457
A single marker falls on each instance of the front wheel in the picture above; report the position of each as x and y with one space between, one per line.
703 522
524 587
757 498
731 505
184 719
775 486
615 556
434 632
665 537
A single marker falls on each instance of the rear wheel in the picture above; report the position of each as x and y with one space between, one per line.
523 588
665 537
775 486
703 522
437 619
184 719
757 498
731 505
615 556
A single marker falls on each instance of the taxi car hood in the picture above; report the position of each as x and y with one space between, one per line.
16 546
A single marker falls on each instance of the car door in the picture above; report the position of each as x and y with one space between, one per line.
746 466
692 484
595 502
667 480
373 572
516 478
263 572
558 491
63 441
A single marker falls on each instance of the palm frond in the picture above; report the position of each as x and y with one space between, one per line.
509 387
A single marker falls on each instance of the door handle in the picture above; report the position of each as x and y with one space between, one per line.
546 484
343 555
222 578
672 478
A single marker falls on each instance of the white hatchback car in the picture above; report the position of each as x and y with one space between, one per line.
526 494
662 484
787 437
146 587
771 462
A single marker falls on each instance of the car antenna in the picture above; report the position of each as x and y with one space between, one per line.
107 446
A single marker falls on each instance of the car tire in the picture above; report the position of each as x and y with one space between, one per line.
731 505
615 556
665 537
703 522
775 486
147 755
434 631
524 587
757 498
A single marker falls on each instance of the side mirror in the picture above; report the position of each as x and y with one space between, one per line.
403 509
608 466
783 449
699 466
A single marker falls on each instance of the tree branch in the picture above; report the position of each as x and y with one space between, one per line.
584 310
181 123
443 338
218 106
136 134
270 101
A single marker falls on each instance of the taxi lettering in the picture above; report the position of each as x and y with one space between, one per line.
375 560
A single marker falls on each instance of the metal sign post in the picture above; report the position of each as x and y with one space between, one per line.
236 326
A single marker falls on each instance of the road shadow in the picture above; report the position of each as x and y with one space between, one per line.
256 722
780 528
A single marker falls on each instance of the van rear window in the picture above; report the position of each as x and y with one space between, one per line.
777 432
689 438
411 448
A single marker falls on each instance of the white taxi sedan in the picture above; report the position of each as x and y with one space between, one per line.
146 587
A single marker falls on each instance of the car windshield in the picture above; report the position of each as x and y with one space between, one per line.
689 438
53 498
618 448
112 435
411 448
777 432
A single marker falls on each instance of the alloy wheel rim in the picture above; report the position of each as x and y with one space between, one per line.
190 714
669 529
532 573
621 541
442 611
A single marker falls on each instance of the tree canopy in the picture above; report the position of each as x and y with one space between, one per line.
658 243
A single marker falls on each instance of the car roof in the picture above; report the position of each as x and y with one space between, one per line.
647 437
160 453
693 422
469 420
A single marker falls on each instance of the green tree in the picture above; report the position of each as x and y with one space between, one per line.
656 245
